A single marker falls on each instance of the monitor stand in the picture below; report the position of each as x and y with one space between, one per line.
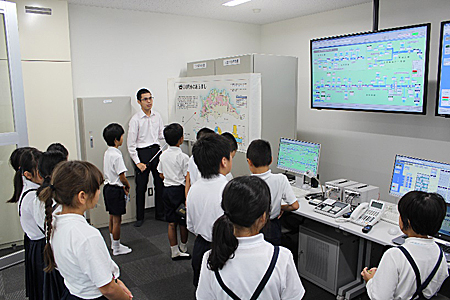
300 182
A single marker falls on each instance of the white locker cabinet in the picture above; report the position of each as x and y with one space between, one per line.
278 97
327 258
94 114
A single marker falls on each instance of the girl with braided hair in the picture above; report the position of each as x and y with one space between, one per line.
53 284
75 247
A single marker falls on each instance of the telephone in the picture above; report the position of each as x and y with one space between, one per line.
368 214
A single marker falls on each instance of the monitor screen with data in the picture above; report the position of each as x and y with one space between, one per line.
444 232
416 174
443 90
298 156
384 71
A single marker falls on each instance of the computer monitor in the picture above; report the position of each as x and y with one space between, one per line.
416 174
298 157
443 88
444 232
383 71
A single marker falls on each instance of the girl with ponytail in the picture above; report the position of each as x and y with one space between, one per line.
26 182
75 247
239 255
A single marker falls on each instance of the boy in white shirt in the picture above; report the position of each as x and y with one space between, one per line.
172 169
193 174
212 157
259 158
233 147
116 187
421 216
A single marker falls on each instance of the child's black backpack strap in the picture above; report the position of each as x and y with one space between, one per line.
21 199
421 286
261 284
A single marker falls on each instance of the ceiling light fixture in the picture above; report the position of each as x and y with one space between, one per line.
235 2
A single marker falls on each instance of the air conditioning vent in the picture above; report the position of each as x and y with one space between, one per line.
38 10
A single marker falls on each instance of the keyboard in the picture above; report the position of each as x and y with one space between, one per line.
445 248
298 192
390 214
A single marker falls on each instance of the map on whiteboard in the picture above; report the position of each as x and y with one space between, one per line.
226 103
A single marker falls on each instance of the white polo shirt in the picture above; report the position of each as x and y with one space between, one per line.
280 190
113 166
173 163
31 212
194 173
244 271
203 205
144 131
81 256
395 278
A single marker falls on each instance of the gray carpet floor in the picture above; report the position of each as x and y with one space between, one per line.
148 271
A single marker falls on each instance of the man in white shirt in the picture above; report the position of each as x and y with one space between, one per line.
144 132
212 157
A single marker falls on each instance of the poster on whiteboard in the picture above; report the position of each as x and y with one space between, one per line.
223 103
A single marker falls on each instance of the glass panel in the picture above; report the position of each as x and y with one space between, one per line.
6 111
9 217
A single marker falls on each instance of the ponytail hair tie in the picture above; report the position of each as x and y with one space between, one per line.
52 187
227 214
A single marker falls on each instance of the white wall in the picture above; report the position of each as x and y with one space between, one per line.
47 78
116 52
362 145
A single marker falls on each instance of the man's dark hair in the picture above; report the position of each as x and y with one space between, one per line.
203 132
58 147
424 212
112 132
173 133
259 153
208 153
140 92
232 140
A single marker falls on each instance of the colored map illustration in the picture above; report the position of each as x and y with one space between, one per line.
218 103
221 103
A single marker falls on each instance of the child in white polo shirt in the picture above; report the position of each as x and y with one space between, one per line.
241 265
233 147
77 248
259 158
419 258
116 185
193 174
212 156
172 169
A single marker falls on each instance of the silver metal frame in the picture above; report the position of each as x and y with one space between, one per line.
20 136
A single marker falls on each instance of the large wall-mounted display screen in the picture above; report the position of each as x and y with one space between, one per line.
443 89
383 71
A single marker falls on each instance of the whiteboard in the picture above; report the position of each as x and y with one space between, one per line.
223 103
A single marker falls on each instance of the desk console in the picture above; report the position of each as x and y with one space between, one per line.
332 208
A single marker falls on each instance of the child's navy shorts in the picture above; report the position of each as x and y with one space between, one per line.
173 196
114 199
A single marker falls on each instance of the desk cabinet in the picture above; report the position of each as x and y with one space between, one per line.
327 257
